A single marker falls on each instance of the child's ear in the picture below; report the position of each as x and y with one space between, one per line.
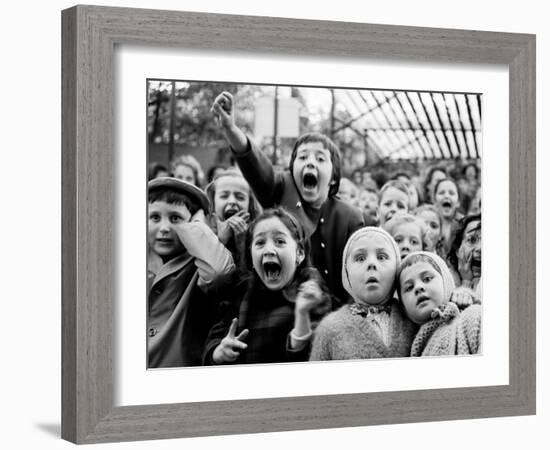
300 256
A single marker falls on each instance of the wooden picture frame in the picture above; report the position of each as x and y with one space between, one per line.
90 34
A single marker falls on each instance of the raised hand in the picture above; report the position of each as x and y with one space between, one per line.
309 296
465 264
463 297
231 346
224 110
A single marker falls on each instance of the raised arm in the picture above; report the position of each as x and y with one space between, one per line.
257 169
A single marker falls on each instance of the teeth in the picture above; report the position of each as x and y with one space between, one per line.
272 269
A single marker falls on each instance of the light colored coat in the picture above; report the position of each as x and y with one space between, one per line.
344 335
451 333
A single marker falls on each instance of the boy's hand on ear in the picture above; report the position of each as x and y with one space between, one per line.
230 347
309 296
465 263
198 217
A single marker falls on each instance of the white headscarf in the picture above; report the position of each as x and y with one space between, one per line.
361 232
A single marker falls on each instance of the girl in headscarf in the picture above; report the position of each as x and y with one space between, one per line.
373 325
425 288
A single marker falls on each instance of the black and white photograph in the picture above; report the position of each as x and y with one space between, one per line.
290 224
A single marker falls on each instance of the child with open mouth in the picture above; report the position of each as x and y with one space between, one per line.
308 189
426 288
447 202
373 325
465 255
268 313
232 208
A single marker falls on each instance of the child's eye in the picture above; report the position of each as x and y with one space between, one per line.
259 243
414 242
280 241
174 218
401 206
382 256
427 279
407 288
154 217
359 258
398 239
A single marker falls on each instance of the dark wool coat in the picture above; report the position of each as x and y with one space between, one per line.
179 315
328 227
268 315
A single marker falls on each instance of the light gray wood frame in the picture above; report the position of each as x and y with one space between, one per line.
89 37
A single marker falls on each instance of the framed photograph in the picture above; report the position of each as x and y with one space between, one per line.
151 101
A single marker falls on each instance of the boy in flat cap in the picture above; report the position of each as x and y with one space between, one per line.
179 312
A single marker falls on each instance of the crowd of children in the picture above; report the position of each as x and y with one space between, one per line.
267 265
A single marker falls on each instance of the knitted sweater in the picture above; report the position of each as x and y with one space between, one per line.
344 335
450 333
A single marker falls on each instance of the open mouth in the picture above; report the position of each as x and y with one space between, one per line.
230 212
372 280
309 181
446 204
272 270
476 265
404 253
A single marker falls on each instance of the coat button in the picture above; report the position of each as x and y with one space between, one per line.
157 291
322 220
326 272
152 332
299 205
322 245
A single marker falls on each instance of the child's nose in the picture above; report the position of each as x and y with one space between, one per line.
371 263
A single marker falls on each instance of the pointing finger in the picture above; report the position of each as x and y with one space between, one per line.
232 328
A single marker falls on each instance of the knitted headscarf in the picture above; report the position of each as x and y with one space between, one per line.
361 232
443 269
